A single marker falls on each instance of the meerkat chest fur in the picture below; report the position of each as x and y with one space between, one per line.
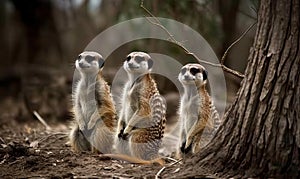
85 97
190 108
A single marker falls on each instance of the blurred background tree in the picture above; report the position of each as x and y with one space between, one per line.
41 38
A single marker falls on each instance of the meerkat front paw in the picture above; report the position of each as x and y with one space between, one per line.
182 147
187 149
189 141
120 134
125 136
188 145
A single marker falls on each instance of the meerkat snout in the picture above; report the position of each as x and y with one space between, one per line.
89 62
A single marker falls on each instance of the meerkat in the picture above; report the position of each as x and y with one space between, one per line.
196 111
93 108
142 118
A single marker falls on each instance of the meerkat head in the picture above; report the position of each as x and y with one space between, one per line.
138 63
193 73
89 62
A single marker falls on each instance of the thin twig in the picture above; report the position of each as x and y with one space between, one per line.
3 161
172 39
181 46
236 73
247 15
163 168
87 176
53 134
236 41
159 172
172 159
2 140
41 120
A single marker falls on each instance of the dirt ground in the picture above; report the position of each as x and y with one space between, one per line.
28 150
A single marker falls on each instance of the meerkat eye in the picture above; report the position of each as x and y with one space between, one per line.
79 57
128 58
139 59
183 70
194 71
89 58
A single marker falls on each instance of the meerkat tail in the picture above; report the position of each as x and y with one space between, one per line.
135 160
215 116
158 106
78 141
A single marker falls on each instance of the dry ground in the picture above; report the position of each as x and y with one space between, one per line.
27 150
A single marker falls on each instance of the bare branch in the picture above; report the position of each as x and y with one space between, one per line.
229 70
172 39
163 168
41 120
235 42
159 172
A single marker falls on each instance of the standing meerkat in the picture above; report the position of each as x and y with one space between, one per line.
196 111
142 117
93 108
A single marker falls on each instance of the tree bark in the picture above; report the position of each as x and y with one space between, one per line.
260 135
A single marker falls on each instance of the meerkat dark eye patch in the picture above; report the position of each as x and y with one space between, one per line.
139 59
204 73
101 62
150 63
89 58
194 71
183 70
128 58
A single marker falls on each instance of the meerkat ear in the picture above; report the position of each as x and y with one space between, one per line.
150 63
101 63
204 73
79 57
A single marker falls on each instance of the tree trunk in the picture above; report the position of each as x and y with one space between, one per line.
260 135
